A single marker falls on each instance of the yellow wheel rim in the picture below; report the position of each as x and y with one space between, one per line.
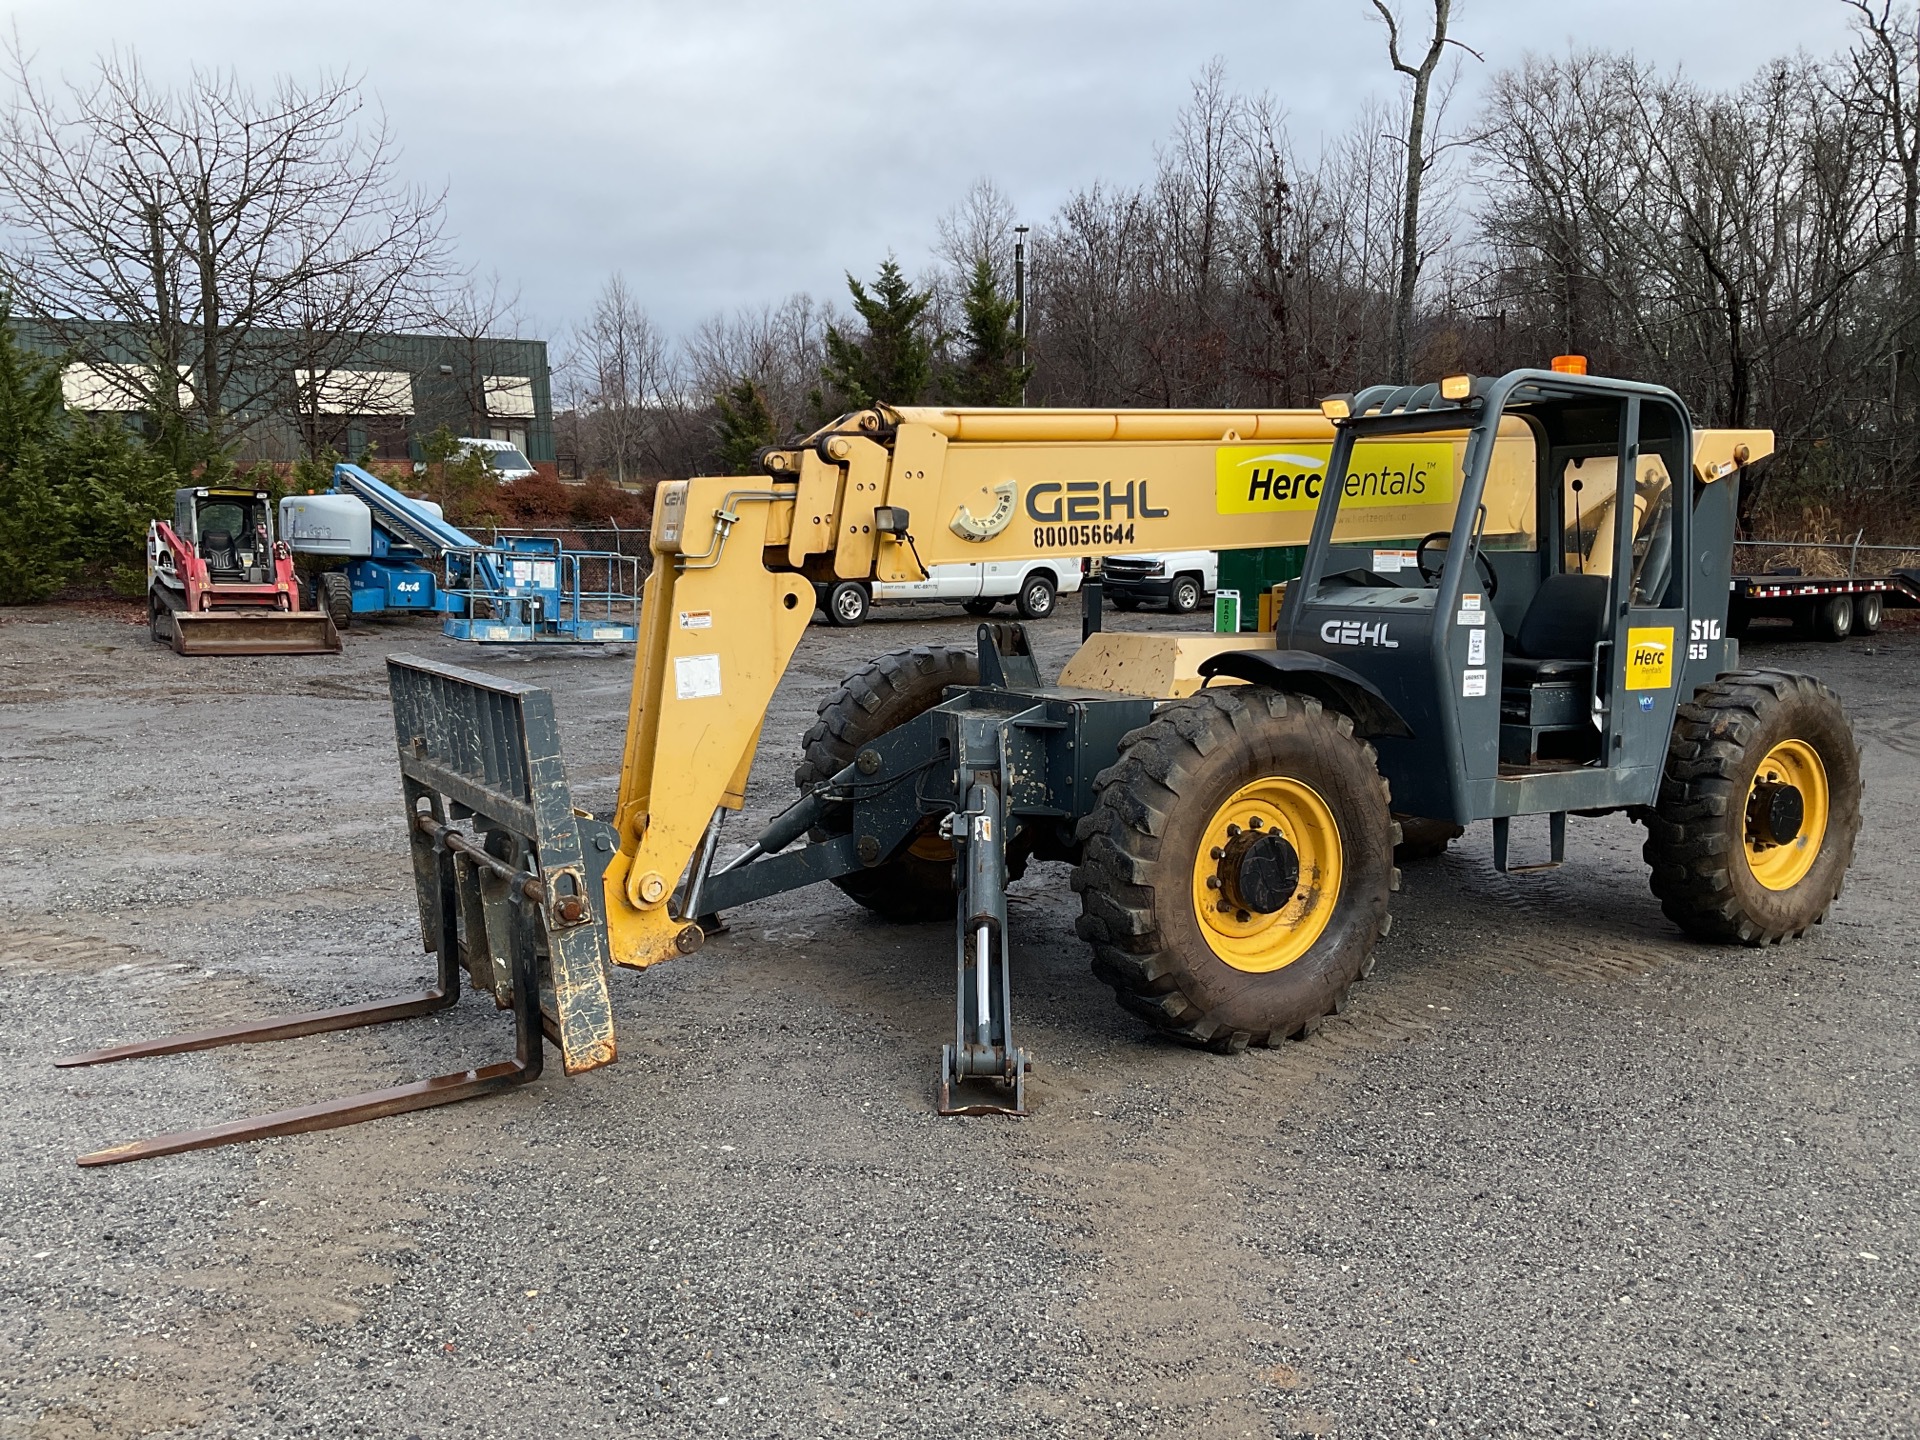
1245 938
1795 763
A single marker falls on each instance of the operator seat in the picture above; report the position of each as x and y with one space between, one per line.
217 549
1565 620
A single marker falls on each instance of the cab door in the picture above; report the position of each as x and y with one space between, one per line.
1650 549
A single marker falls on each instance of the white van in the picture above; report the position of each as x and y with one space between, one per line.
1033 587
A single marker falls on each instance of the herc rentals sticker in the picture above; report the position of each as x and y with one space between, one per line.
1650 658
1287 475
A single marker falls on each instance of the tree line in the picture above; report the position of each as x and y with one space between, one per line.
1756 247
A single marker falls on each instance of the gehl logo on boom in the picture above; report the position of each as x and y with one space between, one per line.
1069 512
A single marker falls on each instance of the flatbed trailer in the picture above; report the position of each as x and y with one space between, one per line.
1829 606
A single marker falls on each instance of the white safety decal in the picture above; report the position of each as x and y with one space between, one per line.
1469 602
1473 682
1472 617
696 677
1477 647
696 619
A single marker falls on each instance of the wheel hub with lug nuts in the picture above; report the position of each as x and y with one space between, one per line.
1787 814
1267 874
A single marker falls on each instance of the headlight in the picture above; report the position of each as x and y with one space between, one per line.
1157 570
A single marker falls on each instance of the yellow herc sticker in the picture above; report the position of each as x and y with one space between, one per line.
1287 474
1650 658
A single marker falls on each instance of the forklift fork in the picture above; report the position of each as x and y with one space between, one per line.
516 909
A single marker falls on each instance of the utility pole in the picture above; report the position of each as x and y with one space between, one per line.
1020 299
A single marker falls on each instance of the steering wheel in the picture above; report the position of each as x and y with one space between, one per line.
1431 573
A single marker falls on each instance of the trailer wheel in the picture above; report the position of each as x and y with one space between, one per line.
334 592
917 884
1236 867
1759 808
1833 617
1868 611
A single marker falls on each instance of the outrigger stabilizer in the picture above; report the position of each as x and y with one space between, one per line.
511 899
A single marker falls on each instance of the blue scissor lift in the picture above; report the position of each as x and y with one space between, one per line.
401 554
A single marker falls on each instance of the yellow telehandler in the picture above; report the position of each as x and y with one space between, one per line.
1513 602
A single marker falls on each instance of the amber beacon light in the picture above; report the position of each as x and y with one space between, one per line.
1570 364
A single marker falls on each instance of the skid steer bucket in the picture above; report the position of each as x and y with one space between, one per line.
508 877
253 632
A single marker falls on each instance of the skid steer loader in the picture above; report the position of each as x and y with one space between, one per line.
1513 604
220 583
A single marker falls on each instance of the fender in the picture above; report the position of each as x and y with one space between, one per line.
1301 673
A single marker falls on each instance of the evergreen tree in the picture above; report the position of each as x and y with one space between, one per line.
75 493
989 372
892 363
745 426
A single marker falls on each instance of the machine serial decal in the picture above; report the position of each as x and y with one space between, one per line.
1650 658
1260 479
967 527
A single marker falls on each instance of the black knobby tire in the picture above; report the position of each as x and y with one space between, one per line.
159 619
979 607
889 692
1184 597
1037 596
1141 845
335 596
1697 831
1868 611
1422 838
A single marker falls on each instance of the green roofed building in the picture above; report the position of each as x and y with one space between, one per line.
384 395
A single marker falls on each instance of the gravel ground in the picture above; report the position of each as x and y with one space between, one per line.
1557 1171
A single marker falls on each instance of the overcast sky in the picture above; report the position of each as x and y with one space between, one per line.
730 152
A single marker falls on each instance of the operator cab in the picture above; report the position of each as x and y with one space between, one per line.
232 530
1533 625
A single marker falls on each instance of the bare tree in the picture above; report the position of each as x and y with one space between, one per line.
230 236
1419 156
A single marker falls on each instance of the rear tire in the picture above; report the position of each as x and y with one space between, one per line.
1037 596
1184 597
1868 611
1833 617
1229 980
334 592
917 884
847 604
1717 876
1423 839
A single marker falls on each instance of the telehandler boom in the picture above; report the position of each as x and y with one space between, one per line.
1557 645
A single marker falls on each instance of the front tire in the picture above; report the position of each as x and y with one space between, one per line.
1037 596
847 604
334 592
1184 937
1721 867
1184 597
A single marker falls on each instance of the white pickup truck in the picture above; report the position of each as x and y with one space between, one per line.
1182 578
1033 586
